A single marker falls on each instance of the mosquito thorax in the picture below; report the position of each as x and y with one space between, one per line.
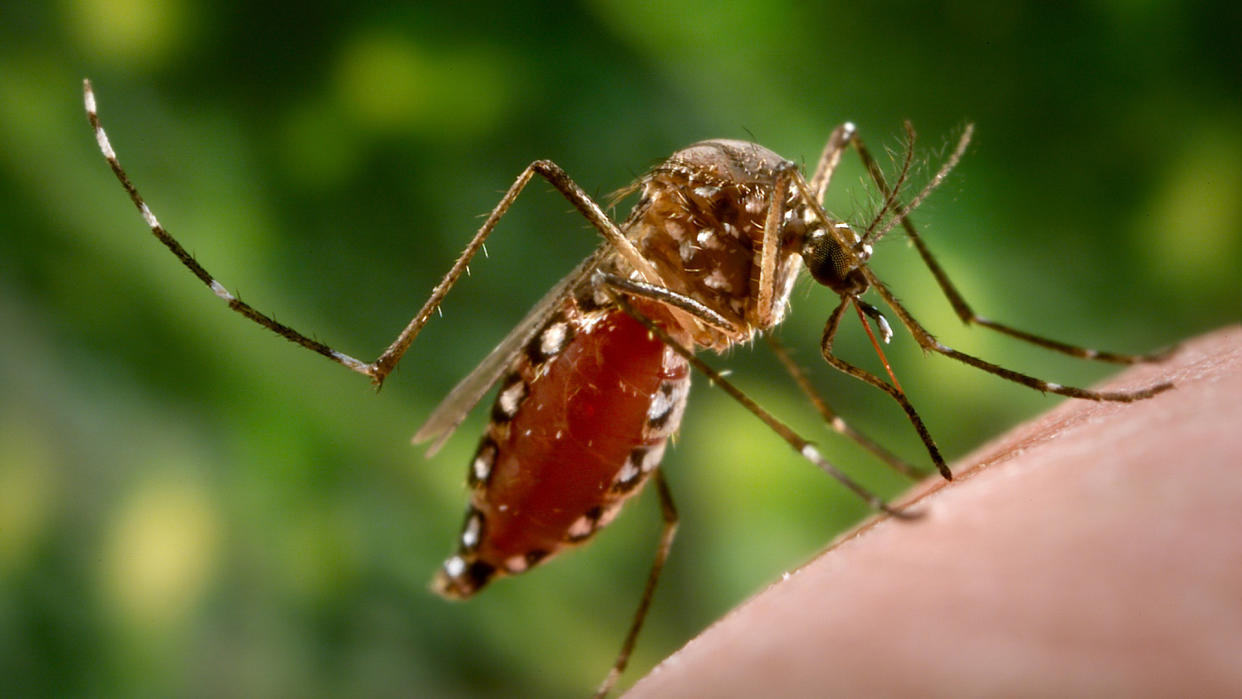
739 162
751 167
700 224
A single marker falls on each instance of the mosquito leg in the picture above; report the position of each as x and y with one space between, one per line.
379 369
710 317
830 158
830 331
667 297
557 177
773 222
668 511
927 341
830 416
188 260
960 306
788 179
799 444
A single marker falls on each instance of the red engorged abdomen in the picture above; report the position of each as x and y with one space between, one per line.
573 433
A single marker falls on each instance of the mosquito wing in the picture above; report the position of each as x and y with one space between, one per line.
444 420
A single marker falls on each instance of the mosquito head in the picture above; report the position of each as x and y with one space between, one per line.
831 264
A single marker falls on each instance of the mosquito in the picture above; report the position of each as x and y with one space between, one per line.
593 381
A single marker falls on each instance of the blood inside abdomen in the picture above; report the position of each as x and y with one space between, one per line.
580 422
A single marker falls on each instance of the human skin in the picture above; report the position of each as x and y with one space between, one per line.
1095 551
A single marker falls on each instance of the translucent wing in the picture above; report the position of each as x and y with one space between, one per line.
444 420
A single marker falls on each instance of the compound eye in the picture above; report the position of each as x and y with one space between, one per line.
817 257
827 262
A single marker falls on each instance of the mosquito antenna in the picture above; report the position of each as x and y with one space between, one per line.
890 200
948 165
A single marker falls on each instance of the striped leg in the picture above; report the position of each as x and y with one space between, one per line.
832 419
379 369
960 306
830 331
668 512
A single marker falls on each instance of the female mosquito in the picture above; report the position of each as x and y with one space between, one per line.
593 381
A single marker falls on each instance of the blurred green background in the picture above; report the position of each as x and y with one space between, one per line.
191 506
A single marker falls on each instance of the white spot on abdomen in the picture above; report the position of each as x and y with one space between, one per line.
660 406
651 458
628 473
511 398
582 527
470 535
553 339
